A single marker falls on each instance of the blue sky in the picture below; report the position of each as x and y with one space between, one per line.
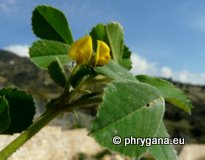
167 37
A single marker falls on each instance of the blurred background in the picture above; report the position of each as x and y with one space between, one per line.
166 38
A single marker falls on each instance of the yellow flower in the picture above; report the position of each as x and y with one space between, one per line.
81 50
103 53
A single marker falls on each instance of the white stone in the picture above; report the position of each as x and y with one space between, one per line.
193 152
51 143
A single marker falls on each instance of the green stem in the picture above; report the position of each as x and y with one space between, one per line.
54 108
82 103
44 119
28 133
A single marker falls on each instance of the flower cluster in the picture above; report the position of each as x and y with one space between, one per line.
82 52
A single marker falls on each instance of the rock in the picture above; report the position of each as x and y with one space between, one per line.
51 143
193 152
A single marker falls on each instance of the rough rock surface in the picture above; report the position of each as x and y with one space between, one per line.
51 143
193 152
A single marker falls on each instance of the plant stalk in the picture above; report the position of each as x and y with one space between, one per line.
44 119
54 108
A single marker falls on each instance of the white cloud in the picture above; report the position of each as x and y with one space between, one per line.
6 5
188 77
166 72
21 50
142 66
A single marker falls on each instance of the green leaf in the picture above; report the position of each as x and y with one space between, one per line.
21 109
57 73
128 109
50 23
115 37
160 152
112 34
115 71
126 61
171 94
4 114
98 33
43 52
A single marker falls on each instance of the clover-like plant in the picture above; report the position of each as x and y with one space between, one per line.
129 106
